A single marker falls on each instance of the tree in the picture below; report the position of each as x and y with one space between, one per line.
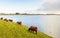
17 13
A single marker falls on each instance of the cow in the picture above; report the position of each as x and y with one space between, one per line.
33 28
5 20
1 18
10 20
20 23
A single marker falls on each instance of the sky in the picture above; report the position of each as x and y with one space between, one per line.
30 6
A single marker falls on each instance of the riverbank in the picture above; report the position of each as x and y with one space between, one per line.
13 30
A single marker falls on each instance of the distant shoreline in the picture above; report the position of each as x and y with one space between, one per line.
29 14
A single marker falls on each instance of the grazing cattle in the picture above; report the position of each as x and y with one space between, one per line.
1 18
6 20
20 23
10 20
33 28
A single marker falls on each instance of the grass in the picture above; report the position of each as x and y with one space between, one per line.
13 30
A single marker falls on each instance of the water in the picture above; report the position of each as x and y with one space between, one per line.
49 24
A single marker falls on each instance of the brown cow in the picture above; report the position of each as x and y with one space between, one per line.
1 18
33 28
5 20
10 20
20 23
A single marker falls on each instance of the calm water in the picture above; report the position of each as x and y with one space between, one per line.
49 24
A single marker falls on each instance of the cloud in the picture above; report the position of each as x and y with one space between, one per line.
50 5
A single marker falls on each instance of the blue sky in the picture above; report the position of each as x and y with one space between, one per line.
20 2
29 6
18 5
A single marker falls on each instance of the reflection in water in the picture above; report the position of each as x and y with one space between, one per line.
47 24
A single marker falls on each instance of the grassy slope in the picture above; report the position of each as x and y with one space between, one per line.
13 30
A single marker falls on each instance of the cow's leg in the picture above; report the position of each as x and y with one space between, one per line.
29 29
36 31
